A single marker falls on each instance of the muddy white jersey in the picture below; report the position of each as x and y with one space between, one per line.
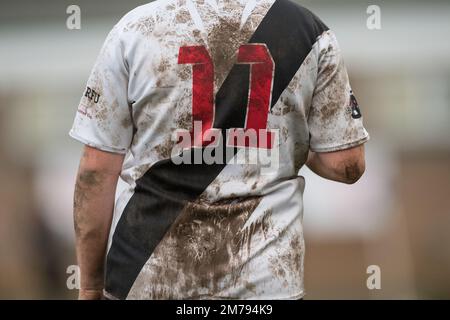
215 104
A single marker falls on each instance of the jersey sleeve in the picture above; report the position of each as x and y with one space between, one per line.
103 119
335 121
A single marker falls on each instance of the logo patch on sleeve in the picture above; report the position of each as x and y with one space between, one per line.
92 95
354 107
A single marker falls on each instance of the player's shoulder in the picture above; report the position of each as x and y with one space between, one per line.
145 16
148 9
306 19
296 21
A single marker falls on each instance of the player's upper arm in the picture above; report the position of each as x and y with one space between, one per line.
95 160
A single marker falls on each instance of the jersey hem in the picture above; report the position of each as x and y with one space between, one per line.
73 135
298 296
343 146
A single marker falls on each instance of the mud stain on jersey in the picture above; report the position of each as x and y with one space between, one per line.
351 133
260 226
197 35
288 261
126 122
163 66
101 114
284 134
330 97
144 25
105 115
287 104
208 243
139 171
182 17
333 96
164 150
184 121
223 41
105 110
184 72
170 7
226 35
331 92
330 103
213 191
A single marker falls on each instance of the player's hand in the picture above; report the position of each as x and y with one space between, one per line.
90 294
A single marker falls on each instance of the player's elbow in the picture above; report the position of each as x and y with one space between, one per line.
345 166
353 170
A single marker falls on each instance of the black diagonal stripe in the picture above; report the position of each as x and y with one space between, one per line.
161 194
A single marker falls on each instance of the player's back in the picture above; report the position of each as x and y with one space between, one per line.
216 104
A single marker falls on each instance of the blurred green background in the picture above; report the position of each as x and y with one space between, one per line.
397 217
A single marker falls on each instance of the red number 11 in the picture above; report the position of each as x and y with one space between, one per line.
261 81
